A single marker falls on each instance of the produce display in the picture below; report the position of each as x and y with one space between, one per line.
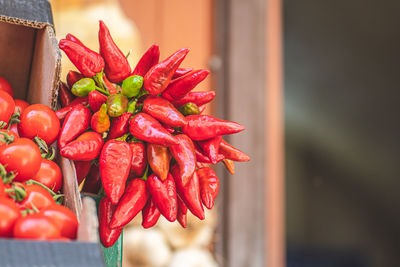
138 137
30 181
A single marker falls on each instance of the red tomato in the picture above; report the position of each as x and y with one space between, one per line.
14 129
23 157
7 106
36 226
9 213
6 87
39 120
64 218
20 105
36 196
2 188
49 174
9 133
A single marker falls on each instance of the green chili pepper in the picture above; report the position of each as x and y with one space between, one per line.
83 87
117 104
189 109
131 85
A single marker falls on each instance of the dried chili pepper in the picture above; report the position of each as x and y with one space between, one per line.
73 77
146 128
85 60
209 186
190 193
139 159
203 127
199 98
229 165
180 72
131 203
75 123
158 157
163 194
232 153
82 169
92 182
178 88
64 95
184 155
108 236
117 104
163 111
116 65
115 164
86 147
148 60
96 99
100 121
150 214
182 213
211 148
159 76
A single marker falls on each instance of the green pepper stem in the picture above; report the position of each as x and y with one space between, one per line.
102 91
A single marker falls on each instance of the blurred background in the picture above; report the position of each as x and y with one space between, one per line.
315 84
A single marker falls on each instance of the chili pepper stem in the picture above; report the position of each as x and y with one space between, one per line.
102 91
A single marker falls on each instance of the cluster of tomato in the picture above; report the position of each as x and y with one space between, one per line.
140 136
29 179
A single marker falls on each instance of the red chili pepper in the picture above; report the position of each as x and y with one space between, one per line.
163 111
150 214
62 113
202 108
229 165
116 65
82 169
96 99
163 194
232 153
203 127
64 95
146 128
84 101
201 157
131 203
119 126
100 121
92 182
108 236
190 193
180 72
115 164
168 128
209 186
158 77
158 158
211 148
199 98
85 60
148 60
73 39
75 123
111 88
86 147
182 213
73 77
139 159
180 87
184 155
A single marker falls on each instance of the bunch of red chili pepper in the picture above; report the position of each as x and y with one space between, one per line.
139 134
